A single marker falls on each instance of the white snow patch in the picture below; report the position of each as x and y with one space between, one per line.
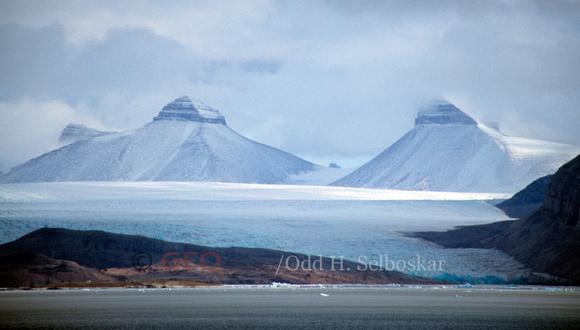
218 191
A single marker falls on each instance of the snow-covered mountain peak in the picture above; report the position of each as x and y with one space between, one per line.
184 109
449 151
441 112
187 141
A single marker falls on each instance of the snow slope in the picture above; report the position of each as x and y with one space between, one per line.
448 151
185 142
331 221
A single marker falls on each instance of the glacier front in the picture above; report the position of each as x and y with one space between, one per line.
329 221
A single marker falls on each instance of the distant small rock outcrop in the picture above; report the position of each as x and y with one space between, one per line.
334 165
77 132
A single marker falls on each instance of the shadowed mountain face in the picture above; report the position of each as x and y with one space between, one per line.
527 201
52 256
548 241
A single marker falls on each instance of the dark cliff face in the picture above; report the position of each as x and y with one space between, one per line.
184 109
548 241
527 201
562 201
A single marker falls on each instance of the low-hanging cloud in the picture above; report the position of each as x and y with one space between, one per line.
30 128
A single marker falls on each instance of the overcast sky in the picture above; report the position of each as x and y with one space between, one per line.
326 80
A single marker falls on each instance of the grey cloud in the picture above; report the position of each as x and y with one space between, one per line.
108 76
261 66
323 79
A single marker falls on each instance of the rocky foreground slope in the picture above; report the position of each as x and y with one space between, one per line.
528 200
60 257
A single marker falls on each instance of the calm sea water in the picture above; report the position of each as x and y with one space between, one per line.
302 308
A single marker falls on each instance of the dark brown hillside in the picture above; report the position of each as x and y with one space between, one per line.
62 257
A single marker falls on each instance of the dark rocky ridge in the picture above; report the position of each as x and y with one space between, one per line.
54 256
183 109
548 241
528 200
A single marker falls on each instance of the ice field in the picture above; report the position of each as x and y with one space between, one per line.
330 221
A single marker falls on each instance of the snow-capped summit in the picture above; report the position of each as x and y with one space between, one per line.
449 151
441 112
186 142
78 132
183 108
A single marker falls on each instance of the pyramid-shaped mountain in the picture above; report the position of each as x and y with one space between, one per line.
449 151
186 141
